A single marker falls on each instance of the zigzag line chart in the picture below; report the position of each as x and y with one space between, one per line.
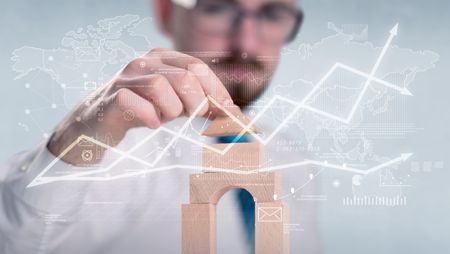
41 179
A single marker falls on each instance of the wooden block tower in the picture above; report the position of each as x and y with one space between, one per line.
237 166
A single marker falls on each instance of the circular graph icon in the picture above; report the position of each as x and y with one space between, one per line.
87 155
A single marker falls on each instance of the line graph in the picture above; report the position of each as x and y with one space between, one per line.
402 157
41 179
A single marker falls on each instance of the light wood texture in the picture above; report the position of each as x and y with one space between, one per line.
209 187
199 217
241 156
198 229
226 126
270 236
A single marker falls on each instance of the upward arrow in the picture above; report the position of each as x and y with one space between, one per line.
393 33
405 156
394 30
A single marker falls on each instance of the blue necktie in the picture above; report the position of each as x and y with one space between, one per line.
245 199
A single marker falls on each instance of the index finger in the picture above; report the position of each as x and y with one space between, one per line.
210 83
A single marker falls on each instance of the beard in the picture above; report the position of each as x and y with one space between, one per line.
245 77
245 92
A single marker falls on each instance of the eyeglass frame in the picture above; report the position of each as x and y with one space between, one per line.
296 12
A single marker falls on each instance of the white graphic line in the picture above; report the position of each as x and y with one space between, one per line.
344 168
392 34
245 128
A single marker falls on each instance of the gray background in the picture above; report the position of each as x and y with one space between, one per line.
421 227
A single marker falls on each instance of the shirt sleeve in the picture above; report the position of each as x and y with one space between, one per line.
25 168
27 213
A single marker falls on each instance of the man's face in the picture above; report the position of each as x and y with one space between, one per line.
243 50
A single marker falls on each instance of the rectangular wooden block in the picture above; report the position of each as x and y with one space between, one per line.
270 237
198 232
241 156
209 187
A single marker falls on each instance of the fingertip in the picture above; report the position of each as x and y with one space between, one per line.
154 123
228 103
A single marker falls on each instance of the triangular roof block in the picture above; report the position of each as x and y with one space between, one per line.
226 126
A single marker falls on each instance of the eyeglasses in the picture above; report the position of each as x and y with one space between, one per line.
276 22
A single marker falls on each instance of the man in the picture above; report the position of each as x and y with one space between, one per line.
230 52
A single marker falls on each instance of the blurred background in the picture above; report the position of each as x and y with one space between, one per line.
31 106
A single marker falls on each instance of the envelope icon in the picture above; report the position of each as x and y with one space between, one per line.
270 214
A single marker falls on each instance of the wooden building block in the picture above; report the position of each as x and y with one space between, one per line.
199 217
226 126
241 156
270 237
198 229
209 187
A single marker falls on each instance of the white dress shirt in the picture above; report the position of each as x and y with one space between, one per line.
137 214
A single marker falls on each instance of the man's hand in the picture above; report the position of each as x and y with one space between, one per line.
155 88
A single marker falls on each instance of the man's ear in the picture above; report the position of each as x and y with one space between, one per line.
163 12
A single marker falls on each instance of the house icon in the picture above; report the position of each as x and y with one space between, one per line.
228 166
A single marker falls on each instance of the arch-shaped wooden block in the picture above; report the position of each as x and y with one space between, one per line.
208 188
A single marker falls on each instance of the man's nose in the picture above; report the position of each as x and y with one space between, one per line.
245 36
